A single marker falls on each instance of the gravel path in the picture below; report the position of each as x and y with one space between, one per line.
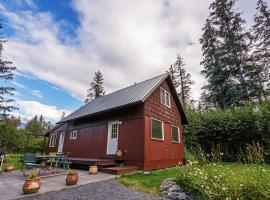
98 191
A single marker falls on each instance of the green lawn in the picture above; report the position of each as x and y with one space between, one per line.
209 181
14 159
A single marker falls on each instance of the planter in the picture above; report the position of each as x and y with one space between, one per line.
72 178
93 170
119 153
31 186
8 167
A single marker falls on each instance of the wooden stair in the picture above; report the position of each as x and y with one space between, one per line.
120 170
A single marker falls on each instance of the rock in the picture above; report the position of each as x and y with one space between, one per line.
169 189
177 195
175 188
166 184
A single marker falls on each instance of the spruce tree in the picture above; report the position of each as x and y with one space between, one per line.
6 74
96 89
225 51
181 80
260 56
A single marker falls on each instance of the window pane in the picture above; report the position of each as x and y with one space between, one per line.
156 129
167 99
175 135
114 131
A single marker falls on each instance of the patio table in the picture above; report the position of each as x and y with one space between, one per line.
53 163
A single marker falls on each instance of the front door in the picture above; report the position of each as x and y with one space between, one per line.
113 132
61 143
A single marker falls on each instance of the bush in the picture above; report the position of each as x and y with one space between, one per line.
229 130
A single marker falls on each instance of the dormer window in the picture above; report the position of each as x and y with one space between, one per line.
165 97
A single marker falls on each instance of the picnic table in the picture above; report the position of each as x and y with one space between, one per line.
47 165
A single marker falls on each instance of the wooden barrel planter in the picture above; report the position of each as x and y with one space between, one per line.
8 167
72 178
119 153
93 169
31 186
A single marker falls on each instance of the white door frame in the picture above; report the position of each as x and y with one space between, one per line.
110 123
61 140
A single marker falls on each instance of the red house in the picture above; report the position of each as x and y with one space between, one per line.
143 120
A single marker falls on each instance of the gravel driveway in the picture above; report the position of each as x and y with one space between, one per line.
98 191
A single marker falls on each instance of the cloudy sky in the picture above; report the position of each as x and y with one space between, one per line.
58 45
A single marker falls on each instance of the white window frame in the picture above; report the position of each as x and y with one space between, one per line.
169 96
178 129
53 139
162 128
73 135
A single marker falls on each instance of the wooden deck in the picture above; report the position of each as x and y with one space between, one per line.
120 170
107 165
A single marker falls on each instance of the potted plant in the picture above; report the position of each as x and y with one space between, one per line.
93 169
31 184
72 177
8 167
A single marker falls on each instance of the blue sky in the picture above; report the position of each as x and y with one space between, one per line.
58 45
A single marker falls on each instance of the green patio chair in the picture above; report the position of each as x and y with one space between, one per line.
30 162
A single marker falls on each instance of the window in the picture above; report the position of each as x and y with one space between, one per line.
157 129
114 131
175 134
165 97
53 140
73 135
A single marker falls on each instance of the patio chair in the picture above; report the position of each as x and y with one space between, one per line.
30 162
2 157
63 161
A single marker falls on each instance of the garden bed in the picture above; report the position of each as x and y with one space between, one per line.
209 181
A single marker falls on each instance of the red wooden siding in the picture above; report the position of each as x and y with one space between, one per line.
161 154
92 136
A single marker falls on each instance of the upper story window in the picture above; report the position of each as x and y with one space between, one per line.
165 97
52 140
157 131
73 135
175 134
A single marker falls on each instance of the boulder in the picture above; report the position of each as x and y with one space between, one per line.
177 195
171 190
166 184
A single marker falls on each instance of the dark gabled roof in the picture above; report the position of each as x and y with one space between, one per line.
131 95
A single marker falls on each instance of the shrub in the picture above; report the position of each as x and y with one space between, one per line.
229 130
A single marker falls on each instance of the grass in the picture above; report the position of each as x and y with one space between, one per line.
209 181
14 159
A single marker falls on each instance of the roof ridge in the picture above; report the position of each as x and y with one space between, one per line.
128 87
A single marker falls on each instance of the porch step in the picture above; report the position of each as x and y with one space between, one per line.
120 170
101 166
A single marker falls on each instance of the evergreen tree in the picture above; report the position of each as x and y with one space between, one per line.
6 74
225 51
260 56
181 80
63 115
96 89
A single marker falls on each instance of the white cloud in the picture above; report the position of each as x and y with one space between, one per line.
28 109
127 40
37 93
